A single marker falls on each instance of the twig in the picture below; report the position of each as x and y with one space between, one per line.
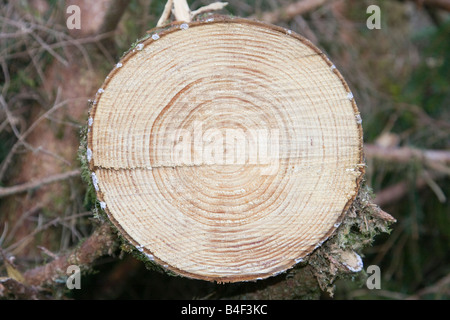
63 39
182 12
44 227
22 217
290 11
211 7
48 252
6 75
50 50
4 232
70 41
9 116
4 192
434 186
166 13
22 137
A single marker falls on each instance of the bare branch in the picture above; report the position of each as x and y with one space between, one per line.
4 192
53 222
211 7
383 215
166 13
50 50
182 12
406 154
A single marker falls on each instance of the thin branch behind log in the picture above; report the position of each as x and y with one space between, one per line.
406 154
4 192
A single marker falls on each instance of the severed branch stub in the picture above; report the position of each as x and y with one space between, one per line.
226 149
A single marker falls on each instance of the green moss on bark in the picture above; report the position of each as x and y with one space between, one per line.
362 223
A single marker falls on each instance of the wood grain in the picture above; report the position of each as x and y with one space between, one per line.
170 125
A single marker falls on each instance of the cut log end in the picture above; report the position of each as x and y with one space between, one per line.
225 150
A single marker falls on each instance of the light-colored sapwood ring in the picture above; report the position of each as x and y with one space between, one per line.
222 221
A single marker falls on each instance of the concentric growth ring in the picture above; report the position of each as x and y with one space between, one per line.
225 150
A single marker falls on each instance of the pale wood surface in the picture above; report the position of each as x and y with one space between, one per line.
226 221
